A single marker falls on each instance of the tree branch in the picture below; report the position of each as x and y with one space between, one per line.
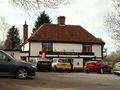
32 5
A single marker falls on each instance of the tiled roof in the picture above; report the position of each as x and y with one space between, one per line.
63 33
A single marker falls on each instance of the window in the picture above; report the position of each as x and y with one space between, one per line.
87 48
2 57
47 46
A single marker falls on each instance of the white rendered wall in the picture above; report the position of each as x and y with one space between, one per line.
35 48
67 47
64 47
23 54
97 50
25 47
15 54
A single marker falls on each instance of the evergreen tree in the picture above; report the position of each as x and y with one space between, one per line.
43 18
13 40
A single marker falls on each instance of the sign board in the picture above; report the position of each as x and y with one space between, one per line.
78 63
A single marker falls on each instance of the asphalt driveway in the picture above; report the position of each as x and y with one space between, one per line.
62 81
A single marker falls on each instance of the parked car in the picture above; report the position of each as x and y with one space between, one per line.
61 65
18 68
44 64
98 66
116 68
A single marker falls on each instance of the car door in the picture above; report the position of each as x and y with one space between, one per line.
6 65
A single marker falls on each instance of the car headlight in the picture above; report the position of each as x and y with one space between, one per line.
33 66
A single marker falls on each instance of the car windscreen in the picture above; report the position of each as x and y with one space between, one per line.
63 61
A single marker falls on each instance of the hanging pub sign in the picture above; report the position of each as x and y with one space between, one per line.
43 53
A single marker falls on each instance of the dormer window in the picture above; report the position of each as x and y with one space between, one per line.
87 48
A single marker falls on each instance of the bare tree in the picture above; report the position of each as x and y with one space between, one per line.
33 5
113 57
112 22
3 27
2 45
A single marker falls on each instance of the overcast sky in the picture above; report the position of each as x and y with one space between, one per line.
87 13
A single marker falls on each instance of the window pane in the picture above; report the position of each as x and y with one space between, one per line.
87 48
2 57
47 46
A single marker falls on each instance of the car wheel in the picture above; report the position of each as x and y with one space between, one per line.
87 71
111 71
22 73
69 71
118 74
55 69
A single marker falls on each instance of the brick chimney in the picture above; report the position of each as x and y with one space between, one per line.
61 20
25 32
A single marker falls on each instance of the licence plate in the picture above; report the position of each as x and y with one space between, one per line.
91 65
44 63
64 64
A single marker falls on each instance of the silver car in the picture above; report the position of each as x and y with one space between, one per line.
116 68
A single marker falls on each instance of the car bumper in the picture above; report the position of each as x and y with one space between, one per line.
44 67
64 68
92 70
116 71
32 72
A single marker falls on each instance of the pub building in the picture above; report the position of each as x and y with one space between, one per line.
62 41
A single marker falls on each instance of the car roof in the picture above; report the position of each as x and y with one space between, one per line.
93 61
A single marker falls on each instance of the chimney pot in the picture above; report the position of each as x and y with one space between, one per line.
61 20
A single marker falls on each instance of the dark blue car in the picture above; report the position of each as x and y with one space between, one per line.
11 66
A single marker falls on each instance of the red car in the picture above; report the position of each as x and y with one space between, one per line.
98 66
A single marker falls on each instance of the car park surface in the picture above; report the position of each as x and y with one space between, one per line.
17 68
62 81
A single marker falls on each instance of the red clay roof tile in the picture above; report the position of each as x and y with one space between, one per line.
63 33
